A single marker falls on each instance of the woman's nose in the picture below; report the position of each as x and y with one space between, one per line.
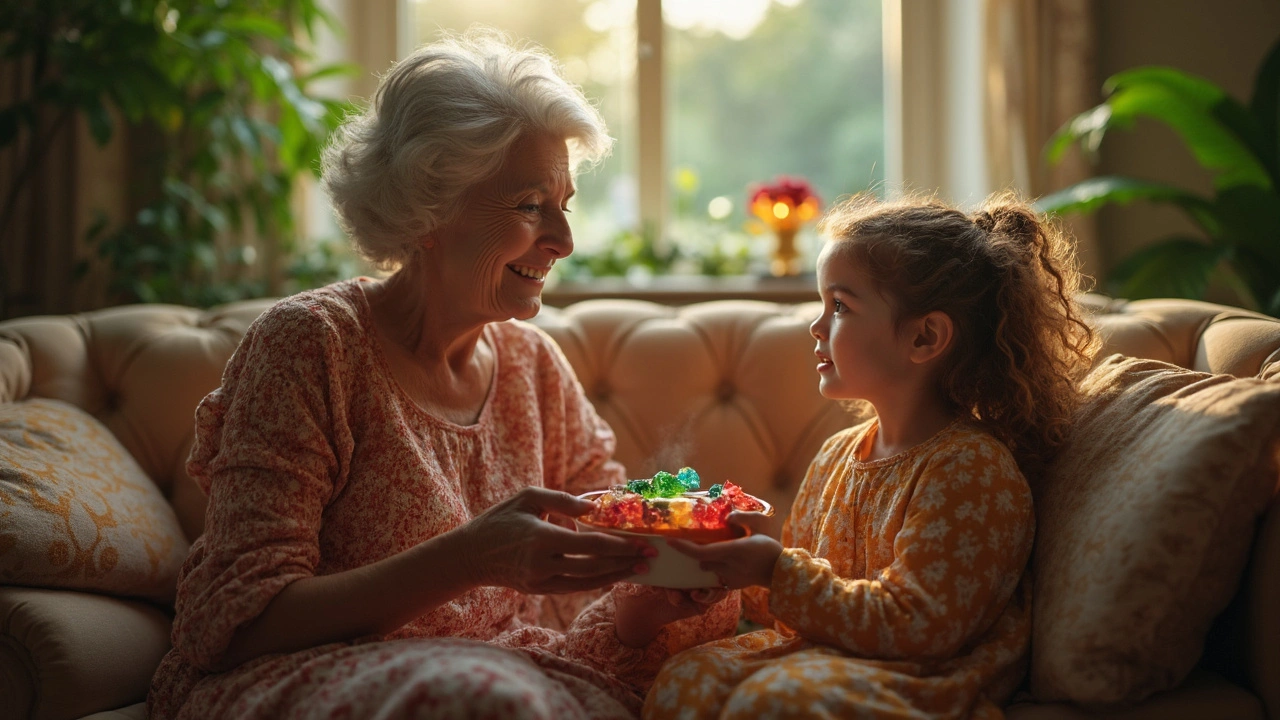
558 237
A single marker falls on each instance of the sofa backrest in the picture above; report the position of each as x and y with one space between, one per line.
726 386
140 369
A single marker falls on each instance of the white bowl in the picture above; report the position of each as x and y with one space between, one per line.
669 569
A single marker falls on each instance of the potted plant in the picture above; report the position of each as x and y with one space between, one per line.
1239 240
220 118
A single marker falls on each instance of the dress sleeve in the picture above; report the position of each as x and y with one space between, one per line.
591 639
797 530
268 451
961 551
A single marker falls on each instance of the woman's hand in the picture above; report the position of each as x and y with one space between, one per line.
512 544
641 614
739 563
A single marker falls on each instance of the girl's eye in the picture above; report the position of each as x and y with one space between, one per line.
837 305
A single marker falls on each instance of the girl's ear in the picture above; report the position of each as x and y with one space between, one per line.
931 335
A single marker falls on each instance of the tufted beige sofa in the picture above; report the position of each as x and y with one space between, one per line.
725 386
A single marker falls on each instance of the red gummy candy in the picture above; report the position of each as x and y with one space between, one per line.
741 500
713 514
619 509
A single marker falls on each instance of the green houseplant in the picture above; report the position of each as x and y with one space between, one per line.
1239 144
221 124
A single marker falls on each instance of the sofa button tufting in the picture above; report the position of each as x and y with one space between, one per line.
726 391
602 392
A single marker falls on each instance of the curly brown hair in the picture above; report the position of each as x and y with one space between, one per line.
1008 280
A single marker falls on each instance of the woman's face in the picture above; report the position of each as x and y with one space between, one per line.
494 254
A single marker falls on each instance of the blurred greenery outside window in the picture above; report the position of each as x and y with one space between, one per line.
753 89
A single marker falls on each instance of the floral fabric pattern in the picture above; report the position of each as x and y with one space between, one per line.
315 462
901 592
76 511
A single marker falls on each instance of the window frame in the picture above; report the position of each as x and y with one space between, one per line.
932 85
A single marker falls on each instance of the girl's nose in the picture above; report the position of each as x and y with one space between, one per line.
816 328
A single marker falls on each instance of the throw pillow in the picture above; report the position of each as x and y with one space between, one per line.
76 511
1145 522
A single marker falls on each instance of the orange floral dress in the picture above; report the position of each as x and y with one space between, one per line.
315 461
901 593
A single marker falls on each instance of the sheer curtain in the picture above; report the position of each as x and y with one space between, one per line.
975 88
1040 64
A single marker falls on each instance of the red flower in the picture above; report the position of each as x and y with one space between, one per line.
786 203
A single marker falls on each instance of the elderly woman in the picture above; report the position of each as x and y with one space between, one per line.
385 459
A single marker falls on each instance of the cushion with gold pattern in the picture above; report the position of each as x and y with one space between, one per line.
1145 520
76 510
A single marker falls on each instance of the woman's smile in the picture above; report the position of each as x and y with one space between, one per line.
536 275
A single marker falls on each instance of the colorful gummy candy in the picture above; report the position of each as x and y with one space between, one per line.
662 503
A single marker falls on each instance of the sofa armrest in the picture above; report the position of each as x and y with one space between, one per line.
67 654
1263 602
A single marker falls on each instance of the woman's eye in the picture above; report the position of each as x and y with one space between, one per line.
529 208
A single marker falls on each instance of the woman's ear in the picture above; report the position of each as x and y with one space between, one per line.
931 336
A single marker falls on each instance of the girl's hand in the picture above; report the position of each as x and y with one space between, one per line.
512 544
641 614
739 563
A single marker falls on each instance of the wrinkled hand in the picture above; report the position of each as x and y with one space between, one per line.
640 615
512 544
739 563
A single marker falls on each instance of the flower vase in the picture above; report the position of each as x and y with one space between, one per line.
786 256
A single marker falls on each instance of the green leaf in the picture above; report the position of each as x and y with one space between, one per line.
310 112
1265 107
100 123
1088 195
1088 128
1175 267
1251 219
1198 111
254 26
1232 115
244 133
331 70
1273 306
210 213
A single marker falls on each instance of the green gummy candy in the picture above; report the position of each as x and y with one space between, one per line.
688 477
714 491
644 487
667 485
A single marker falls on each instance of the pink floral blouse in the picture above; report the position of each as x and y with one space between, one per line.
315 461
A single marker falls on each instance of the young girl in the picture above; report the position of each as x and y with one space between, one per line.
899 587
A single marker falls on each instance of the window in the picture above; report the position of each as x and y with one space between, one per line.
705 97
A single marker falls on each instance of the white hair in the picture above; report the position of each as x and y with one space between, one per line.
441 121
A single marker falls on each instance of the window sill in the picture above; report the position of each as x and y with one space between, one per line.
685 289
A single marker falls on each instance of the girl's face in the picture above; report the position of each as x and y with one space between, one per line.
496 252
860 353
